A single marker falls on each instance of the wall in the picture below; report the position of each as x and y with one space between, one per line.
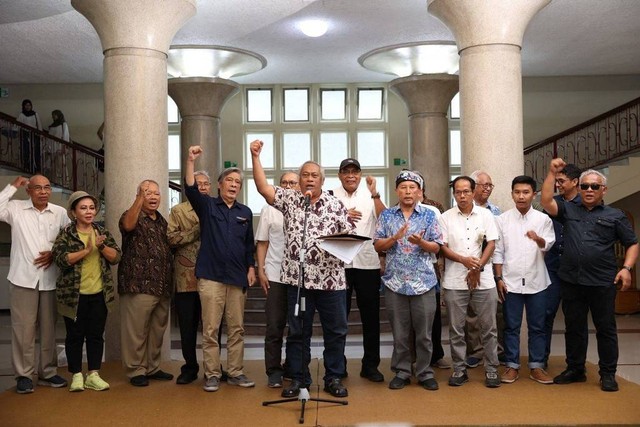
632 204
81 104
554 104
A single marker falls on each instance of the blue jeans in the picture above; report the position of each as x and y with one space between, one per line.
332 308
513 306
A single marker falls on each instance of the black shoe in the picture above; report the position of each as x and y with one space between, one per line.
139 381
397 383
569 376
608 382
160 375
373 375
458 378
24 385
336 388
224 376
186 378
429 384
293 390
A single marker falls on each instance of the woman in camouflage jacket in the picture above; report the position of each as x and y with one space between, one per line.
85 251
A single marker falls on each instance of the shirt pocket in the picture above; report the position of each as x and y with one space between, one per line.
605 230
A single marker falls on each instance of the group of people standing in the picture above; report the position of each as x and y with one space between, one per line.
489 266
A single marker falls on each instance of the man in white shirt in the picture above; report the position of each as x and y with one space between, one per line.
522 279
481 194
363 274
468 279
269 251
35 223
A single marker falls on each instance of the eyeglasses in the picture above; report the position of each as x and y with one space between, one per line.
463 192
284 183
594 186
39 188
487 186
204 184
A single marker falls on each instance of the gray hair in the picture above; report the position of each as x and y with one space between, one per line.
288 172
593 172
475 174
202 173
148 180
311 162
229 171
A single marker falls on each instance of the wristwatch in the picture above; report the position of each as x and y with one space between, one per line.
498 278
626 267
375 196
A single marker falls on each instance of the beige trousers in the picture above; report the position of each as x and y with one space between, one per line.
220 300
143 320
31 308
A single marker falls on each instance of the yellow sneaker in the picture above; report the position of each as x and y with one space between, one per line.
77 382
94 382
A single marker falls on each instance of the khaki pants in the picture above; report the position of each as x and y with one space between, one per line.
218 299
143 320
31 308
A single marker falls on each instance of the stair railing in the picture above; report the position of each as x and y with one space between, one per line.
602 140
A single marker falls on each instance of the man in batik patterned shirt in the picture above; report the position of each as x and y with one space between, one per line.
324 287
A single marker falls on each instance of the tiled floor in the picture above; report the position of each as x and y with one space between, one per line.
628 337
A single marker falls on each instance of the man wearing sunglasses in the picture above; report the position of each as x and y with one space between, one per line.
588 272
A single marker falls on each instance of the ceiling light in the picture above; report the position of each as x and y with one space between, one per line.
313 27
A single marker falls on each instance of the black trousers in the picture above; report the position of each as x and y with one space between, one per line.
577 301
366 284
436 333
91 318
189 312
276 313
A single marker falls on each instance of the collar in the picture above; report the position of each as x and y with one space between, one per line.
474 209
29 205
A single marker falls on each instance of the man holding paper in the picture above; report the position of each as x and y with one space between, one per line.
409 233
324 285
363 273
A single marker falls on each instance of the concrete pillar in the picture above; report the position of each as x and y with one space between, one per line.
489 38
135 37
200 101
428 97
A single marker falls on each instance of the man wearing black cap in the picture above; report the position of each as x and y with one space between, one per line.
363 274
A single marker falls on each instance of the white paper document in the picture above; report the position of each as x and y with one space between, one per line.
343 246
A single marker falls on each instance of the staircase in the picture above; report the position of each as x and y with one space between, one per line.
255 320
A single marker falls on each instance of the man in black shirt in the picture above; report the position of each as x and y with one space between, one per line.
588 272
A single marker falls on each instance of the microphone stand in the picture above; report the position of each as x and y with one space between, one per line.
299 310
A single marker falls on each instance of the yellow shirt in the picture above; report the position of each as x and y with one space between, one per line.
91 282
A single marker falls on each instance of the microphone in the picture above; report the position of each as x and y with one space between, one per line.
307 198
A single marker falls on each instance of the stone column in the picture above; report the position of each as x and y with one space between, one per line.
200 101
489 38
135 37
428 97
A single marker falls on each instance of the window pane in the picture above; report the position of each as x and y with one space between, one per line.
296 105
266 156
372 150
333 148
333 104
455 153
174 153
296 149
381 186
369 104
254 200
258 105
172 111
455 107
331 183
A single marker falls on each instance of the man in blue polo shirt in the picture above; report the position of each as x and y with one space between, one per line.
224 269
589 273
